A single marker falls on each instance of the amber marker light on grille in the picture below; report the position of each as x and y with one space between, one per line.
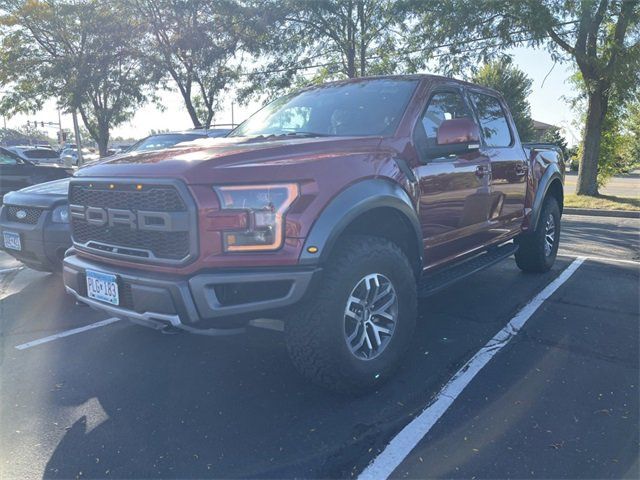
138 187
312 249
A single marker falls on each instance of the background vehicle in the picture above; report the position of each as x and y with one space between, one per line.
335 207
34 224
161 141
69 156
38 155
17 173
40 238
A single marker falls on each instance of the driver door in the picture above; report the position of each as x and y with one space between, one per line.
454 189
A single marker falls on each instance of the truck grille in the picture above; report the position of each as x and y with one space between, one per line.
121 240
30 216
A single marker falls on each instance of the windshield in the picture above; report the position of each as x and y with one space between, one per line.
159 142
371 107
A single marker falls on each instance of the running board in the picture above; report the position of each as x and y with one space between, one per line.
436 281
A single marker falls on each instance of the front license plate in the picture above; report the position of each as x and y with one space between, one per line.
12 240
103 287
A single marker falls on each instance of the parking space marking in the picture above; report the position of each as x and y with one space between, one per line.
9 270
67 333
615 260
404 442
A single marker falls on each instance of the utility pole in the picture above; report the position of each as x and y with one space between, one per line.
232 122
76 132
60 128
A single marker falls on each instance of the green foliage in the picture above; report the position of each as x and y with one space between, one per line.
24 135
515 86
326 40
84 53
555 136
194 43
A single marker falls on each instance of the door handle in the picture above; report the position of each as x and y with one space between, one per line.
521 169
482 170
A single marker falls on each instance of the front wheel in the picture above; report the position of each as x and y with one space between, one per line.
537 251
352 331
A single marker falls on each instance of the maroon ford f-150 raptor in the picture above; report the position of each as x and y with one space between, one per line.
334 208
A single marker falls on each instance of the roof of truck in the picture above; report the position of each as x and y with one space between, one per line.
417 76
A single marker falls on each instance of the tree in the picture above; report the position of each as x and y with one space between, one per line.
515 86
331 38
84 53
601 37
555 136
195 42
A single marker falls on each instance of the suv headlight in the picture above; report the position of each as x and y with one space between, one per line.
60 214
255 220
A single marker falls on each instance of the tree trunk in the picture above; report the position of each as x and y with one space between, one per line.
192 111
598 101
363 46
103 139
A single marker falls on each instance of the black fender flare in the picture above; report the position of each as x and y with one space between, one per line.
348 205
551 174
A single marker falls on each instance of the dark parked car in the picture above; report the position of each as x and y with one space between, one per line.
334 207
17 173
34 223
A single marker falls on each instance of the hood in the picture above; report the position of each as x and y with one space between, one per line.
43 195
57 187
211 159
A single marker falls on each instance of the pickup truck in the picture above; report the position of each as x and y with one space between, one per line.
334 208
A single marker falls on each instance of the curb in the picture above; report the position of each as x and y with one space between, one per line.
602 213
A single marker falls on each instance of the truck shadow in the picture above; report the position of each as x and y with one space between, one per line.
188 406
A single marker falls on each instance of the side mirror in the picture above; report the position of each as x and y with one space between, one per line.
456 136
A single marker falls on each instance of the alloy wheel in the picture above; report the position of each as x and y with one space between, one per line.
371 316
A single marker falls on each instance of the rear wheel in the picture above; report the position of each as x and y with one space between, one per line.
537 251
352 331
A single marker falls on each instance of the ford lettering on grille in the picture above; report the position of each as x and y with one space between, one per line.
155 221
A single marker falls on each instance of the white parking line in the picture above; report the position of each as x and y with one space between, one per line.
615 260
67 333
403 443
9 270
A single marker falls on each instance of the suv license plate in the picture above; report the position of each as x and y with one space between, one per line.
103 287
12 240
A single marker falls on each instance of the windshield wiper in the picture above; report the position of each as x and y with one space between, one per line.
303 134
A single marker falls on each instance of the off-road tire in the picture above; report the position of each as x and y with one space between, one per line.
531 255
314 330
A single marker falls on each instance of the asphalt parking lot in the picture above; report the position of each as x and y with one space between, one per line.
559 400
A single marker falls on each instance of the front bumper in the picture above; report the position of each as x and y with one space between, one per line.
214 303
43 243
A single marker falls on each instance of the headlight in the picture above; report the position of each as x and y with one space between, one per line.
60 214
256 215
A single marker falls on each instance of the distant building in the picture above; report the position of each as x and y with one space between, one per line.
540 129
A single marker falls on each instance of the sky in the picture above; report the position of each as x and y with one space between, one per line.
546 99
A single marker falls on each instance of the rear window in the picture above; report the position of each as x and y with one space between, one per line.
40 154
493 121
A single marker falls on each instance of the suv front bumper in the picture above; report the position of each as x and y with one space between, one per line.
43 243
210 302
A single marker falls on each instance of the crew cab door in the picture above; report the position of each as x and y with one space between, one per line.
508 164
454 188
